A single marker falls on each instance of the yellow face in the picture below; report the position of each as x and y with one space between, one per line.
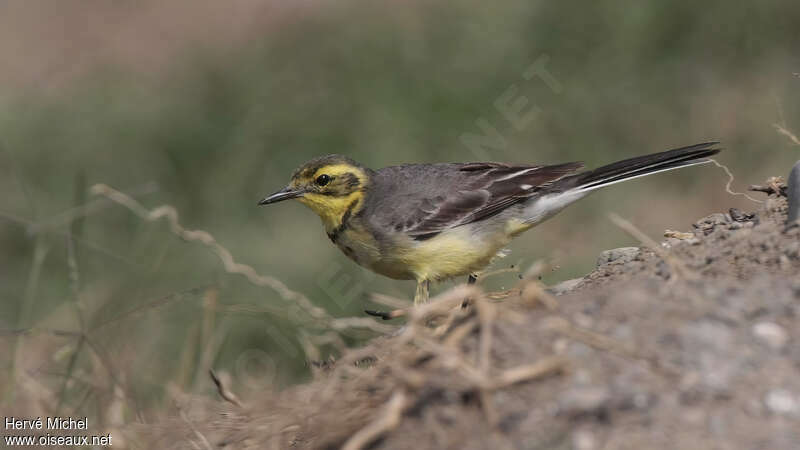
331 186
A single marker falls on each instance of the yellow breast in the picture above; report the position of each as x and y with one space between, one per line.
459 251
452 253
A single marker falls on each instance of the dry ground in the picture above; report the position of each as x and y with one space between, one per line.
693 347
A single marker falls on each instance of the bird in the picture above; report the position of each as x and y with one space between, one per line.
434 222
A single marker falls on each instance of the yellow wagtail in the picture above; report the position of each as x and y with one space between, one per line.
431 222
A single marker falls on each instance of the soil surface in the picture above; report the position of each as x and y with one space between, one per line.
695 345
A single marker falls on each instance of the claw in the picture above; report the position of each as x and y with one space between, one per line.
386 315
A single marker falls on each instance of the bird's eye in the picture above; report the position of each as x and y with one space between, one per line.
323 179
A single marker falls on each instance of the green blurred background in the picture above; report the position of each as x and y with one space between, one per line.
208 106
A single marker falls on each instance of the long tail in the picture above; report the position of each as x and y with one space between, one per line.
639 166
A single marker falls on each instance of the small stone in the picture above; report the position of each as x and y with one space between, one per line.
583 440
771 334
781 401
739 216
565 286
622 255
584 400
708 223
641 400
682 235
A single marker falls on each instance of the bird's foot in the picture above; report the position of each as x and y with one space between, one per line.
386 315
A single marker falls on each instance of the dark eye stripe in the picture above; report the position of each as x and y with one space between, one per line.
351 181
345 184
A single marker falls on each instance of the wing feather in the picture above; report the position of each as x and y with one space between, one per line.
484 189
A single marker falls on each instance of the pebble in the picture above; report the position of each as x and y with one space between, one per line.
583 440
584 400
781 401
771 334
565 286
708 223
622 254
740 216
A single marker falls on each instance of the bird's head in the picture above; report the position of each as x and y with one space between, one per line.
330 185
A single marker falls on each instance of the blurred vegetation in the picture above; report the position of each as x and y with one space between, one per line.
222 125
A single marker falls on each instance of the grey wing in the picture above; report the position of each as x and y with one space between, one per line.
445 196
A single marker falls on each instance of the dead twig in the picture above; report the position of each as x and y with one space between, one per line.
730 182
774 186
682 235
196 432
223 390
533 292
442 304
387 421
419 350
529 372
782 130
452 318
229 263
390 301
438 306
459 333
486 315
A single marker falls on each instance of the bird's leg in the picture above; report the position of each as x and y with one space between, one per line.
420 297
471 279
422 292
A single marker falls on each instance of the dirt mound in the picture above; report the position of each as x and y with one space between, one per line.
692 346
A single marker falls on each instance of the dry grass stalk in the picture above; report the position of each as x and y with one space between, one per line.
677 266
784 131
441 348
529 372
775 186
730 182
200 436
229 263
533 292
223 389
388 420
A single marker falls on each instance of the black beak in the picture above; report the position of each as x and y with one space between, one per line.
284 194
